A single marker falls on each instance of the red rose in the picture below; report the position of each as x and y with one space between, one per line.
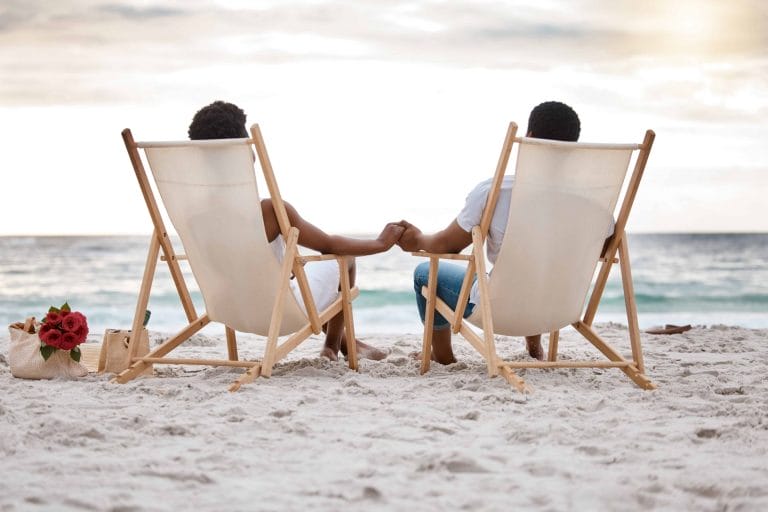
52 338
68 341
52 318
72 321
81 333
44 329
64 313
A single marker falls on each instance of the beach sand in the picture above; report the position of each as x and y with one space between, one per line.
317 436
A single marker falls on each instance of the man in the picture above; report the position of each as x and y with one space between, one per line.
549 120
222 120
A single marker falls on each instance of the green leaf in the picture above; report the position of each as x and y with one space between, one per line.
46 351
65 307
75 354
147 314
53 310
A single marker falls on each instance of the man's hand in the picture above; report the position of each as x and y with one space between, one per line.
409 240
390 235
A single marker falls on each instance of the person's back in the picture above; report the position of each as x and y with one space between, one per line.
223 120
549 120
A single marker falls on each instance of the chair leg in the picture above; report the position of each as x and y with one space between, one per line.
346 308
491 356
554 337
231 343
630 304
249 376
485 302
269 355
277 310
429 317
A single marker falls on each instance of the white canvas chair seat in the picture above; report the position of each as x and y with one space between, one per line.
560 213
211 197
210 194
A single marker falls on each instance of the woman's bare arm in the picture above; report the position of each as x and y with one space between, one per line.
312 237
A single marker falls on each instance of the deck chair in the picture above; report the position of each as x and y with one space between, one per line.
562 204
209 192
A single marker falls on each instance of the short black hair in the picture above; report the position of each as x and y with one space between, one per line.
219 120
554 120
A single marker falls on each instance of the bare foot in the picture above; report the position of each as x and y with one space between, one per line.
329 353
534 349
366 351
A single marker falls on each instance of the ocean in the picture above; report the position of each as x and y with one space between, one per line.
700 279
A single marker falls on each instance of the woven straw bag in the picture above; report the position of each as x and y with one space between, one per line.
25 359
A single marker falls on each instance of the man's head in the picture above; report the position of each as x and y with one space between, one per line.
219 120
554 120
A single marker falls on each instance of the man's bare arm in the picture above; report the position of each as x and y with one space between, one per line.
452 239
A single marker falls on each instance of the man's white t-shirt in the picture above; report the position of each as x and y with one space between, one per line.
470 215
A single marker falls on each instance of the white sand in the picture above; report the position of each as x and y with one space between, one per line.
319 437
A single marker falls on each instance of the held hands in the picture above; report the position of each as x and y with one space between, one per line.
409 239
390 235
402 233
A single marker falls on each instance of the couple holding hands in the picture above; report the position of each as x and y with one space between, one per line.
549 120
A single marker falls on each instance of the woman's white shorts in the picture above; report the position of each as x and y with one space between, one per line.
323 277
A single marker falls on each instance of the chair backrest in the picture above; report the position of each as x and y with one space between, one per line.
561 209
210 193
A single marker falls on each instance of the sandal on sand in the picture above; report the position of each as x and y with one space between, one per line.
669 329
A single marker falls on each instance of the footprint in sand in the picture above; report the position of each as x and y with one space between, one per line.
707 433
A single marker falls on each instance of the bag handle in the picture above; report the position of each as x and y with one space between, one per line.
29 325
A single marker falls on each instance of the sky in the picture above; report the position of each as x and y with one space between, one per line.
375 111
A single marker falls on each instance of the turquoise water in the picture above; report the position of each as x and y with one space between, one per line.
679 278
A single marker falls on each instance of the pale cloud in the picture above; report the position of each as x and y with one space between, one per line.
78 42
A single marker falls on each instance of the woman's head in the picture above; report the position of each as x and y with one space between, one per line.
219 120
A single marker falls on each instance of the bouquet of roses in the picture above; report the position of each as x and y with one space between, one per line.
62 329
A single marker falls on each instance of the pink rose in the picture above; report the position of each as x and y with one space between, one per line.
52 338
68 341
52 318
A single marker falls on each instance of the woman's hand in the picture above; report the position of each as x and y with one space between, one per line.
390 235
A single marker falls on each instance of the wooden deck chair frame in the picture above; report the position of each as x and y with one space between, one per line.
293 262
615 251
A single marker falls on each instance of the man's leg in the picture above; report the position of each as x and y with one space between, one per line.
449 280
533 344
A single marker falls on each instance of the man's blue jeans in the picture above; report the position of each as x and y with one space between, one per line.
449 280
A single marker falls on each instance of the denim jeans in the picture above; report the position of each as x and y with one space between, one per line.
449 280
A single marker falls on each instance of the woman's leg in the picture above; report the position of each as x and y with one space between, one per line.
335 335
